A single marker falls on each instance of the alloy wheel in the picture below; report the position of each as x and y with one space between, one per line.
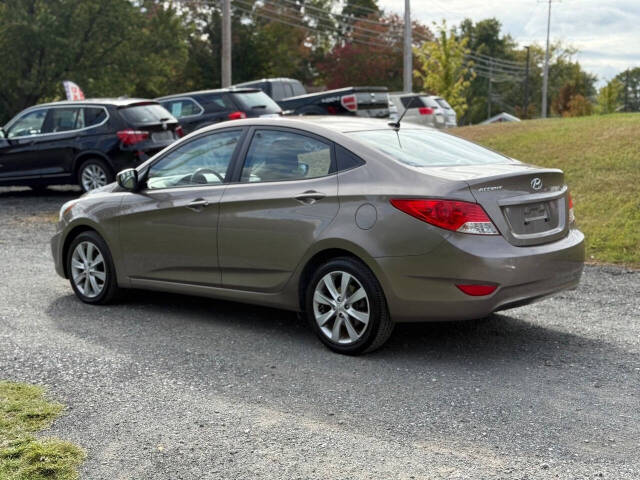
341 307
88 269
93 176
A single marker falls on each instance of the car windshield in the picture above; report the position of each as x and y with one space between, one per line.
428 148
259 102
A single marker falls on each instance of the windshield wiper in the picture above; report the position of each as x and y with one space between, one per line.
259 106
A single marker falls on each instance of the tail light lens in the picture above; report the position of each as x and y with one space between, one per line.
349 102
237 115
477 290
131 137
572 217
464 217
179 131
425 111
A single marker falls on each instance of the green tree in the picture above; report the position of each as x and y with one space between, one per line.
361 8
609 97
444 69
630 95
108 47
486 38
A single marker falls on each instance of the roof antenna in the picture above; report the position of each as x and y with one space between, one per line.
396 124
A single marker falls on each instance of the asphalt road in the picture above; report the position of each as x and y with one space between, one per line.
170 387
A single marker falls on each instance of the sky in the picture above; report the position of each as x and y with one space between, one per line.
606 32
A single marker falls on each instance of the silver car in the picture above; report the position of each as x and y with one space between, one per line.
355 222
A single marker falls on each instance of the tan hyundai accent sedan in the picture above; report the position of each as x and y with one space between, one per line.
357 223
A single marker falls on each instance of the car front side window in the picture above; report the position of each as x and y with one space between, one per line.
279 155
202 161
28 125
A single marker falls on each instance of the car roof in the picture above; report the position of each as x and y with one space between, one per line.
273 79
335 123
118 102
206 92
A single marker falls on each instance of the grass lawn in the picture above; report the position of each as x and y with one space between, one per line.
23 411
600 156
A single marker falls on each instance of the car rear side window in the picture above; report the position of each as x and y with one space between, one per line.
428 148
278 155
145 114
278 92
346 160
298 89
258 102
443 103
93 116
184 107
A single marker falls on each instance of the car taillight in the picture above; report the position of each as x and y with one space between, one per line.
131 137
237 115
464 217
477 290
425 111
179 131
572 217
349 102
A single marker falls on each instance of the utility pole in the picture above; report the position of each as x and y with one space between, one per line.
489 94
525 108
626 91
545 78
408 54
226 43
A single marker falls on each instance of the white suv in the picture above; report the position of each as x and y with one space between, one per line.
427 110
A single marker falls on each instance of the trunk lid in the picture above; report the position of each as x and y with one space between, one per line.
529 205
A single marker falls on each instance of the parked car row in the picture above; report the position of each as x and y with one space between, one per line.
87 142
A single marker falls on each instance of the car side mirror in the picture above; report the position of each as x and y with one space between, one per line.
128 179
303 168
3 134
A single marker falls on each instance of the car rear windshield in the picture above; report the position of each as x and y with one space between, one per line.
428 148
413 101
146 114
259 102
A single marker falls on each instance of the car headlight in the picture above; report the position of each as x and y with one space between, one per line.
66 208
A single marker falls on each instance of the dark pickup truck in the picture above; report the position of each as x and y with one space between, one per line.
292 97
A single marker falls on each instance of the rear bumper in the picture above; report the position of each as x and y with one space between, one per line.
422 287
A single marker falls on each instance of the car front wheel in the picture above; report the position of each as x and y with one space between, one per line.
346 307
90 268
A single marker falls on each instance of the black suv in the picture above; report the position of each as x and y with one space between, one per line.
195 110
84 142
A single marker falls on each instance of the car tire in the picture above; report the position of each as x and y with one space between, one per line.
99 286
336 320
94 173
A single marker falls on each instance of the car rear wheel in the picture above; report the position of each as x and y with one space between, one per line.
90 268
94 173
346 307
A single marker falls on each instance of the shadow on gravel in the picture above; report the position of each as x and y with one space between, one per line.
155 316
57 192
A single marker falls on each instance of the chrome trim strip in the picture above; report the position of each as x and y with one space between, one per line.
66 132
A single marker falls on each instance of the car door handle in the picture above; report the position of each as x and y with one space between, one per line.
198 204
310 197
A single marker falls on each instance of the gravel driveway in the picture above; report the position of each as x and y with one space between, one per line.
169 387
